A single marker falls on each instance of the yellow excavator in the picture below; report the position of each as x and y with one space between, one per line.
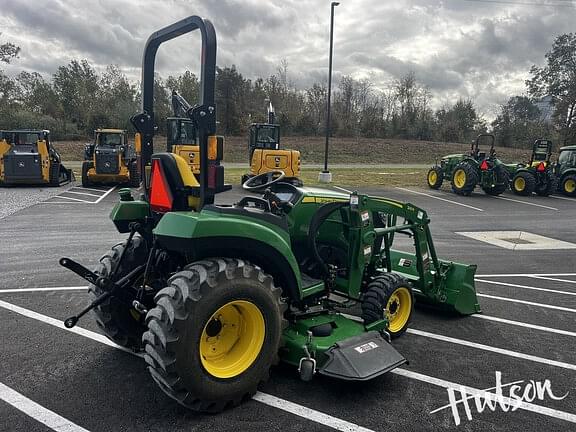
28 157
265 155
182 140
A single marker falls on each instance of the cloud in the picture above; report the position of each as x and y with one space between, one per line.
457 48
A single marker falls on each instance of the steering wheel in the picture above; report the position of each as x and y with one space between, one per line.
255 183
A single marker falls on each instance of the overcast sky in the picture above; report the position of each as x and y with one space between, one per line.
479 49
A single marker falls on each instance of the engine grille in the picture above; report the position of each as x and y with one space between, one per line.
107 163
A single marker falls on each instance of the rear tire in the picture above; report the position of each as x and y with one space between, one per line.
523 183
194 317
85 179
389 295
134 175
502 182
435 177
568 186
464 179
118 321
547 187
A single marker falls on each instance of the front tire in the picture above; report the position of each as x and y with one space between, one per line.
435 177
214 333
389 296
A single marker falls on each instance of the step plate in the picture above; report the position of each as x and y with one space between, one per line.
361 358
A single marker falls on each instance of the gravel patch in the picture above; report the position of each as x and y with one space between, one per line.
15 198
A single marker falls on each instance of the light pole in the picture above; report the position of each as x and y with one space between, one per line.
326 176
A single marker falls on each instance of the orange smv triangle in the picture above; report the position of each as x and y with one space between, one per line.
160 195
541 167
484 165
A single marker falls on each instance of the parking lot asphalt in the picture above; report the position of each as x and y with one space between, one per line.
55 379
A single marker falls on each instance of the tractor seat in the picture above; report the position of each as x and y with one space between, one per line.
184 189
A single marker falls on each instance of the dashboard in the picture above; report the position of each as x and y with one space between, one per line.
286 192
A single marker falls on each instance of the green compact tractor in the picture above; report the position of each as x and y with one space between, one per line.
214 295
565 170
466 171
537 175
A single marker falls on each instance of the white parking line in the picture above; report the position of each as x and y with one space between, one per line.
552 279
90 189
37 412
527 406
64 202
441 199
82 193
523 202
523 324
483 347
308 413
490 348
299 410
264 398
562 198
72 199
57 323
524 274
526 287
105 195
542 305
19 290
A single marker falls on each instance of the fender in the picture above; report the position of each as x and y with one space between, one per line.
260 238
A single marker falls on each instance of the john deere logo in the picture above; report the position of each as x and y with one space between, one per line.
20 164
107 164
277 161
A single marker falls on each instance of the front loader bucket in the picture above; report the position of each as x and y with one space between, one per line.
66 175
452 290
457 292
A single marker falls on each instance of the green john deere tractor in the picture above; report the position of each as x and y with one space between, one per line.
466 171
537 175
565 170
217 294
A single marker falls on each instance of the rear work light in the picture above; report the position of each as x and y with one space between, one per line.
541 167
484 166
160 195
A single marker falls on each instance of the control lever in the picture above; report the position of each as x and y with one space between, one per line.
276 204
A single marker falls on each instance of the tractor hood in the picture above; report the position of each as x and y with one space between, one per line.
321 192
454 156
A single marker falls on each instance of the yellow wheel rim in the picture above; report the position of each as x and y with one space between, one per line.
232 339
398 309
460 178
570 186
519 184
432 178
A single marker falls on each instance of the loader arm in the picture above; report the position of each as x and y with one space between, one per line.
445 284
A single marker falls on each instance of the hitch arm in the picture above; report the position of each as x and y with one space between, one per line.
80 270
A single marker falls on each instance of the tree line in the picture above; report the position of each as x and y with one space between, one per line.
76 100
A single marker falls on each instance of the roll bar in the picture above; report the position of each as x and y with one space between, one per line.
203 114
